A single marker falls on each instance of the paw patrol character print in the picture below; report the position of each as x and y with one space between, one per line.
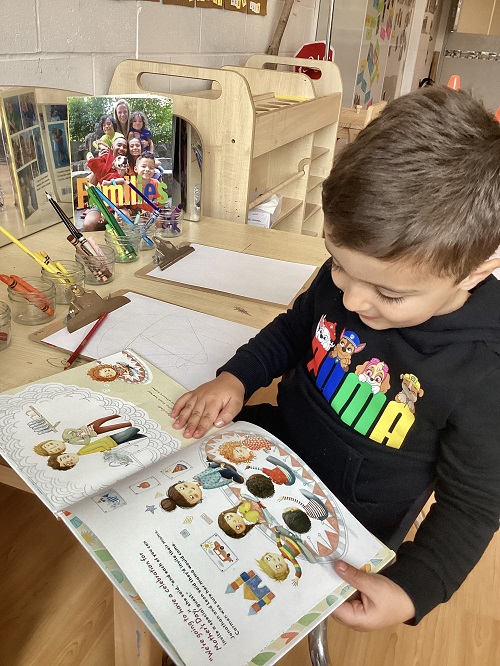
325 333
376 373
410 392
348 345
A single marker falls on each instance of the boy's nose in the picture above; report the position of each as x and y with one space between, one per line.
356 300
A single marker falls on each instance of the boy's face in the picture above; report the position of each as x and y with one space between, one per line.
389 294
107 127
145 168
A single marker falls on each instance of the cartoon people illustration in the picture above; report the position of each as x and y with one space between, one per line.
218 475
314 507
348 345
84 434
410 392
63 461
237 522
260 486
376 373
185 494
290 546
56 449
296 519
242 451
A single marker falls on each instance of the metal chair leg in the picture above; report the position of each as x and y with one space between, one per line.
318 645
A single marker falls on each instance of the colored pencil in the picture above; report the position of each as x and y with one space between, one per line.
85 340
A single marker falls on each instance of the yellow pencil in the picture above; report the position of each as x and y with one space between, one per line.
33 255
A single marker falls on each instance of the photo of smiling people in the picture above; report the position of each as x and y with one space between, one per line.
138 129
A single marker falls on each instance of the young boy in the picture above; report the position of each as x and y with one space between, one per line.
145 168
412 211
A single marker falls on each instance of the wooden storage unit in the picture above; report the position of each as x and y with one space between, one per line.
263 131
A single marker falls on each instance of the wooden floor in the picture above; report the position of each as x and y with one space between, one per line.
56 607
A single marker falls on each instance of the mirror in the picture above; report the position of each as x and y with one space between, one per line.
34 158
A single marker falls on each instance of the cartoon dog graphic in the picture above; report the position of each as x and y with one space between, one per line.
411 391
348 345
376 373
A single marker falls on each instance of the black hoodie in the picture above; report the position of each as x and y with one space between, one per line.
381 416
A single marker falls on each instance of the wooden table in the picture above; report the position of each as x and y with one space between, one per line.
26 361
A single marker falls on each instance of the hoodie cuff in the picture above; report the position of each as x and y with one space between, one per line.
419 582
249 370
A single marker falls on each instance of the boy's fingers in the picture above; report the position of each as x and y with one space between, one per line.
361 580
227 414
179 405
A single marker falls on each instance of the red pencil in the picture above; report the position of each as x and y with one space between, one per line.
85 340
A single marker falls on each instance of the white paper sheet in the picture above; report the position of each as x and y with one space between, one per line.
260 278
188 346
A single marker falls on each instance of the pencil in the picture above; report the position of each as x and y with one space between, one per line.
85 340
143 196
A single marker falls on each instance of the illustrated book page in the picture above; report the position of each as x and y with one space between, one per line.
75 433
230 544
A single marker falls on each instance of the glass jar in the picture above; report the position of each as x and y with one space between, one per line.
4 325
74 275
98 270
126 247
32 301
169 224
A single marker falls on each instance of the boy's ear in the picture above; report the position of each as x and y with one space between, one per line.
135 168
480 273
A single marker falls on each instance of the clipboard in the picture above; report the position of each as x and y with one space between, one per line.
269 266
55 326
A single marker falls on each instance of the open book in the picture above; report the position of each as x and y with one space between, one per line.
224 546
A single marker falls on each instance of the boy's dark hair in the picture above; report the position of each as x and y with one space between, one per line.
104 118
420 183
146 154
297 520
260 486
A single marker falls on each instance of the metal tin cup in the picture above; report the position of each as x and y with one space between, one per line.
32 302
98 270
73 274
126 247
169 224
4 325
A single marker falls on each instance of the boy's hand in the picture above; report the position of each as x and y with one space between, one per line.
214 403
380 602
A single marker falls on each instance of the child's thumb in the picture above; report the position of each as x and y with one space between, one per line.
356 577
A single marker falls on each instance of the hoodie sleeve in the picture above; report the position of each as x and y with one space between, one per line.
465 516
281 344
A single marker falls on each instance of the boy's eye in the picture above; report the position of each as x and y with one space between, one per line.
393 300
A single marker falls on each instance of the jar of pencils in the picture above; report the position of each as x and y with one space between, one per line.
32 300
4 326
71 273
126 246
99 267
169 224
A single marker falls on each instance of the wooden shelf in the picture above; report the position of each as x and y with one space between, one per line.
318 151
261 129
313 182
288 206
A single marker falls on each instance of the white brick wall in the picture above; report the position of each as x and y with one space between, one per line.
76 44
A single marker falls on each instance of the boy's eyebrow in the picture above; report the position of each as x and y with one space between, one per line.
400 292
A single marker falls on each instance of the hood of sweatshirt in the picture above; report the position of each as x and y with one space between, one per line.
477 321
